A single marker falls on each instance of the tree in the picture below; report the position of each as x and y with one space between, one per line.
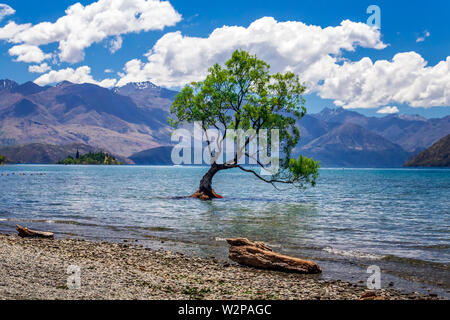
242 95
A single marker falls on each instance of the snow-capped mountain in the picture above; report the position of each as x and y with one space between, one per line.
147 94
8 84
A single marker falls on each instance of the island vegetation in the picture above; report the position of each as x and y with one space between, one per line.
91 158
243 95
2 160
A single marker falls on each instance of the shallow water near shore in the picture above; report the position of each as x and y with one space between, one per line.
397 219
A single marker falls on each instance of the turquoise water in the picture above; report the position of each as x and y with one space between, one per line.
397 219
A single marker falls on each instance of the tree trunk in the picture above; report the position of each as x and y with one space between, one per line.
205 191
258 255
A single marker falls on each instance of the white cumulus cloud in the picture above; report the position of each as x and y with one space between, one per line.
83 26
79 75
176 59
5 10
28 53
388 110
115 44
407 79
11 29
44 67
313 52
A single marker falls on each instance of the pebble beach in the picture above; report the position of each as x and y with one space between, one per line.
36 269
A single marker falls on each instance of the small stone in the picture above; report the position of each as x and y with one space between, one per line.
368 294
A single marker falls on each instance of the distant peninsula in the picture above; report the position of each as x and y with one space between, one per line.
438 155
42 153
91 158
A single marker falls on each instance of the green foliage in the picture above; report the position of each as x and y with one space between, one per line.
305 168
99 158
2 160
243 95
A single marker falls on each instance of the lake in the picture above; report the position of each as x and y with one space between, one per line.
397 219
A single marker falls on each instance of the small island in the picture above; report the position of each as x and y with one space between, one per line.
91 158
2 160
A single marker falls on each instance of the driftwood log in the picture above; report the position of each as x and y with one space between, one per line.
27 233
258 255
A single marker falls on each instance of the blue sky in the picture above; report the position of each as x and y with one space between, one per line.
418 27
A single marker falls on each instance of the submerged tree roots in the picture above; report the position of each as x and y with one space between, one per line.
206 196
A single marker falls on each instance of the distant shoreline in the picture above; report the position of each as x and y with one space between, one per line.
206 166
37 269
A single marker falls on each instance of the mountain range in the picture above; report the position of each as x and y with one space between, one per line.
131 122
350 145
339 137
438 155
412 132
124 120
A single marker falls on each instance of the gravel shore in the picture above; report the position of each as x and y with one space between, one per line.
37 269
